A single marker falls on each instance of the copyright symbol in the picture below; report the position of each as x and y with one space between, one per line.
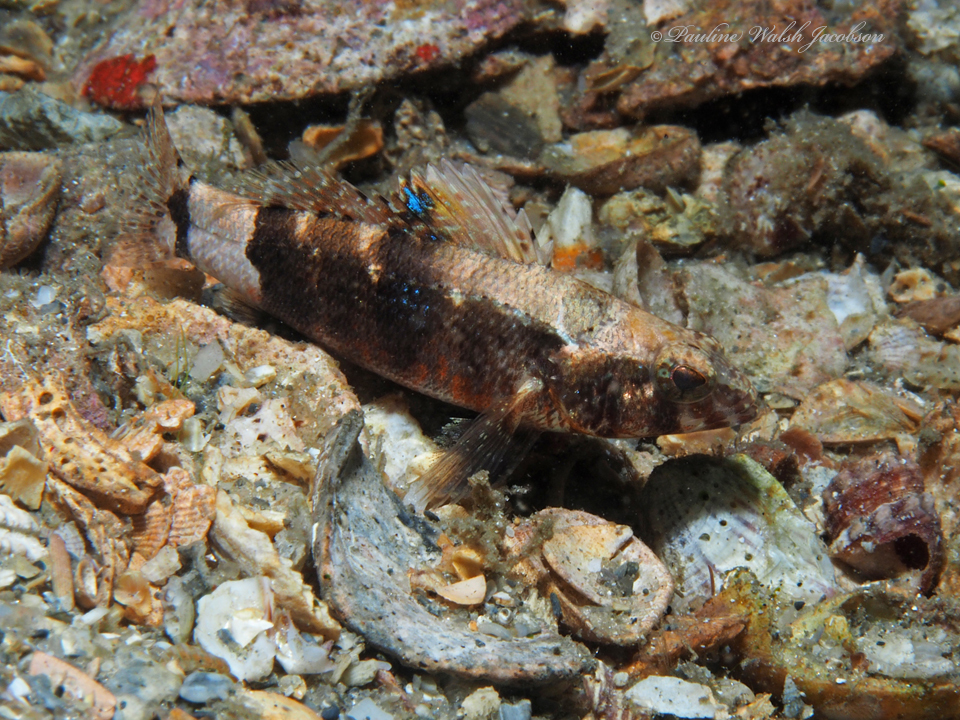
656 36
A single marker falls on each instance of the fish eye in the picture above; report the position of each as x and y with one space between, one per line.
685 376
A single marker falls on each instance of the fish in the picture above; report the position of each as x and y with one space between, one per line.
443 289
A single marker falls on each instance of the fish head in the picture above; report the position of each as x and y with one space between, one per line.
684 385
696 387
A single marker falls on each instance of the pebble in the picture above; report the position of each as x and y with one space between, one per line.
143 680
367 709
519 119
518 711
204 687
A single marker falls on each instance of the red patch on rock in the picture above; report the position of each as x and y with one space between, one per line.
427 52
116 82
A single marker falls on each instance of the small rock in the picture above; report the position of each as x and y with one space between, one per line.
142 679
130 707
204 687
673 696
522 117
367 709
206 140
481 704
161 566
30 120
518 711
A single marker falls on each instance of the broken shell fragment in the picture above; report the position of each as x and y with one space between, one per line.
367 543
465 592
339 144
843 411
603 162
705 517
29 190
70 681
232 624
22 472
609 586
18 532
881 523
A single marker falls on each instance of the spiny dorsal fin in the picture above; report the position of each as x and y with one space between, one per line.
460 206
305 187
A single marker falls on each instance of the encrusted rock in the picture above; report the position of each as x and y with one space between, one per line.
706 70
204 52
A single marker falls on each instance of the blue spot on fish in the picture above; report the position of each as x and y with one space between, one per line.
417 203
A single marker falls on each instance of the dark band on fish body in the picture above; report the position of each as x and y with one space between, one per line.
313 276
179 207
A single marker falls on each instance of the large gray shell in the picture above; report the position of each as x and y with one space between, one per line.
366 544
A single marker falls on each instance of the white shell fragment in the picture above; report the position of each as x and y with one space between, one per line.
673 696
232 625
18 531
705 517
570 226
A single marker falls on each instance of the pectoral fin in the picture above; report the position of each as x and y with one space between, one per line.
494 442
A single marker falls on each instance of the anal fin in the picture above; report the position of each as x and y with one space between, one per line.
495 442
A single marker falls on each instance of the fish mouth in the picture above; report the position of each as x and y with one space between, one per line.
734 401
737 395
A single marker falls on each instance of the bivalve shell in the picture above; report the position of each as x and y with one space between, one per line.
609 586
29 190
705 517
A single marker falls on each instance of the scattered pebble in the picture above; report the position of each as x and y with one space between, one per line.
204 687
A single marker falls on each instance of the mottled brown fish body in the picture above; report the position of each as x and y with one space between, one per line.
457 324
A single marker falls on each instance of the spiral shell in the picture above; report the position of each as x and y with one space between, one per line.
881 523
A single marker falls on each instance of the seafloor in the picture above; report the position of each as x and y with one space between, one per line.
199 508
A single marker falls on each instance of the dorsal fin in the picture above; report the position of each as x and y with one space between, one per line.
309 188
460 206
